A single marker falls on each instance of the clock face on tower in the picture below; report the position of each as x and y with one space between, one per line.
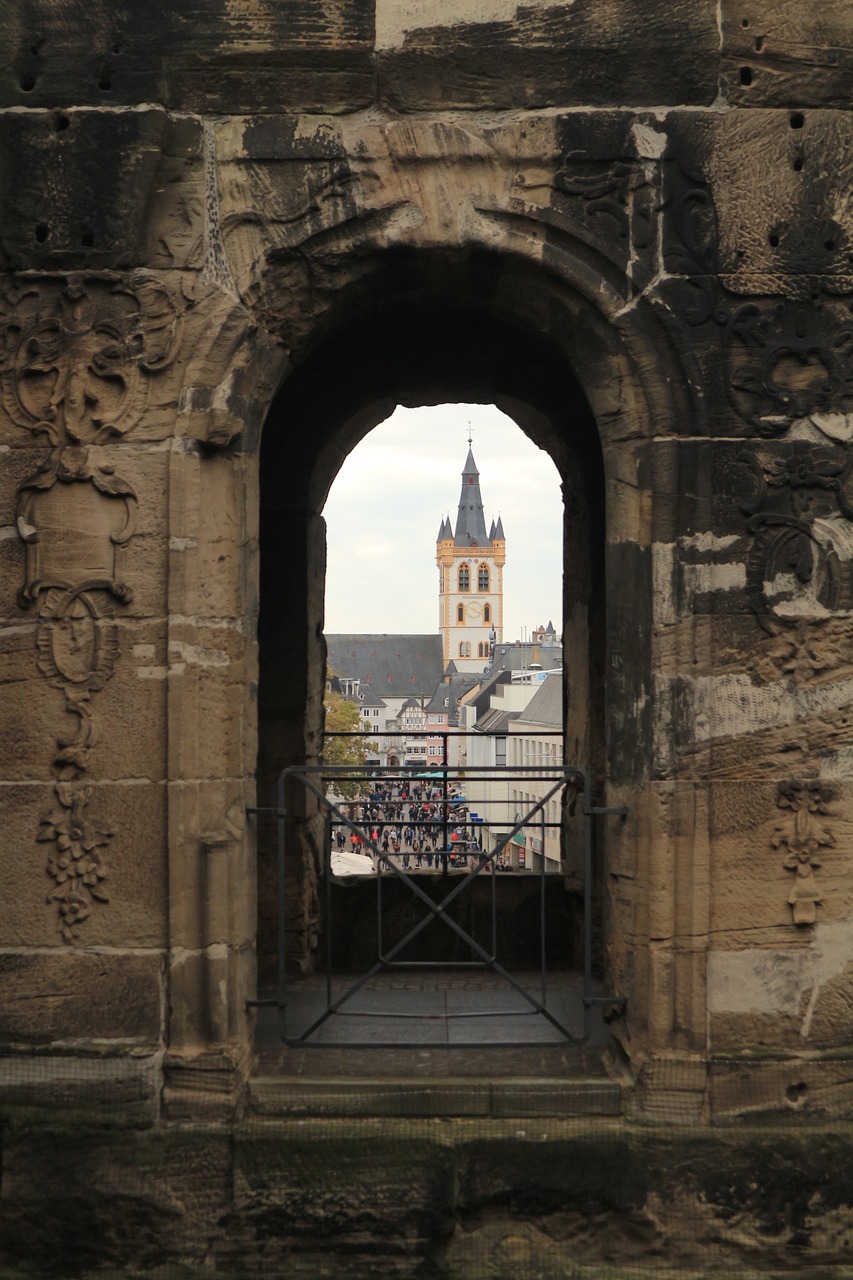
474 611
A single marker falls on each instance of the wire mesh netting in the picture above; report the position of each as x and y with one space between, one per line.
691 1168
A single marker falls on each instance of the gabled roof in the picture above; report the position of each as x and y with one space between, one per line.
389 665
546 706
368 697
496 720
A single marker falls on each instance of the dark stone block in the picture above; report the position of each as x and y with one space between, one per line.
785 53
629 626
63 206
192 55
591 52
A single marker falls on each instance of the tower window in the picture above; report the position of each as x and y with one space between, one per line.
487 613
464 648
483 578
482 650
460 613
464 578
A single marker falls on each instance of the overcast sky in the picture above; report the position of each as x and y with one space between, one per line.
389 498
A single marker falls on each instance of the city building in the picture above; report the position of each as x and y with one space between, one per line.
535 743
470 566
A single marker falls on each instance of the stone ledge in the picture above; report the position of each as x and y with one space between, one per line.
296 1096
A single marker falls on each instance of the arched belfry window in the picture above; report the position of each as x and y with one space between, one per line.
487 613
464 648
464 578
483 578
460 613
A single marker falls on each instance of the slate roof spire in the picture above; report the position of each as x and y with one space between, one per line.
470 521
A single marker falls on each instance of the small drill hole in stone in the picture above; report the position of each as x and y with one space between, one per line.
773 240
798 164
746 75
829 245
797 120
61 122
116 48
41 232
105 81
744 22
759 43
87 238
796 1092
28 82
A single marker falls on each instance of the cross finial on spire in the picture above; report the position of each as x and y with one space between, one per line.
470 433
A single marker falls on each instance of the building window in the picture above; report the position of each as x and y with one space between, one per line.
483 578
487 613
460 613
464 649
482 650
464 578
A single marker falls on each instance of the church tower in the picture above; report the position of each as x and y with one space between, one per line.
470 591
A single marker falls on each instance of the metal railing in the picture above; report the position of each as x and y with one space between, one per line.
568 783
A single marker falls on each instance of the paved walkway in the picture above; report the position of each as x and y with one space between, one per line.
469 1023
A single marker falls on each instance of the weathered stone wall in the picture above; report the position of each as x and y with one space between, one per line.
232 237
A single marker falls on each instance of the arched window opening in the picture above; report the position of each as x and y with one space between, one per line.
298 528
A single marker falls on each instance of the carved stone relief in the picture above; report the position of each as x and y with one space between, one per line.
789 360
801 561
803 837
76 359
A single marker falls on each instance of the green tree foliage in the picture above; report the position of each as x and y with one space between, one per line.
342 716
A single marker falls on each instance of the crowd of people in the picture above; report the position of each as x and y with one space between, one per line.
413 821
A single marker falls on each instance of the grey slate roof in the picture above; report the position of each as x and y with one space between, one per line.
518 657
496 721
546 706
470 522
390 665
369 697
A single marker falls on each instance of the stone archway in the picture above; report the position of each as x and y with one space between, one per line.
426 327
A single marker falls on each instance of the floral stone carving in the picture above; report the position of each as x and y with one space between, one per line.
74 366
804 838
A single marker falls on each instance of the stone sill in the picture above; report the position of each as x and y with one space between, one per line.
498 1099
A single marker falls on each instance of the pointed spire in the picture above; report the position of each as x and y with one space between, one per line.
492 531
499 531
470 522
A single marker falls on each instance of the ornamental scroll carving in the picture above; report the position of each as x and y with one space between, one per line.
799 514
75 361
804 837
788 361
